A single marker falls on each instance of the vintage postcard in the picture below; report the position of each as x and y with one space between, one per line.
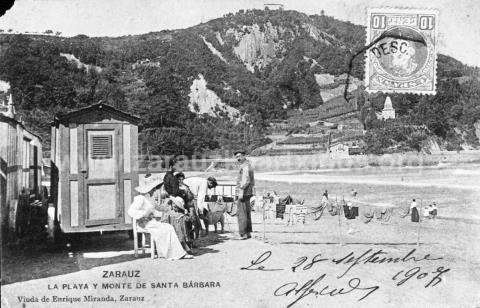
184 153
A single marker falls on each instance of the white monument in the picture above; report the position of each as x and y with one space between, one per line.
388 112
6 107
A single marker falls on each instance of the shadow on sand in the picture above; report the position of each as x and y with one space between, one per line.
85 251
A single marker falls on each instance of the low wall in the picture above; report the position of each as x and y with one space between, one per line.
325 161
332 161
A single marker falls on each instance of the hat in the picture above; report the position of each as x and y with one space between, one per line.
213 181
148 184
239 152
180 175
178 202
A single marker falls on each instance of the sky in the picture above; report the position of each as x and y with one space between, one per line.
459 20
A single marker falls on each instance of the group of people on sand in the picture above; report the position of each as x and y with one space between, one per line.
430 211
174 210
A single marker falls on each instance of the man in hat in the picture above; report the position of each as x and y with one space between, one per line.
244 191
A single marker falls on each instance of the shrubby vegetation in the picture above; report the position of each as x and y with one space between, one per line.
44 83
454 107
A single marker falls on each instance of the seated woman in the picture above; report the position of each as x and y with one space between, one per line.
143 210
175 216
193 223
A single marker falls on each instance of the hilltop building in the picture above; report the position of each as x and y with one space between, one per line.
273 6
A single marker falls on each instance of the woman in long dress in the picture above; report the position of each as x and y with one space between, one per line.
164 236
175 216
193 223
415 217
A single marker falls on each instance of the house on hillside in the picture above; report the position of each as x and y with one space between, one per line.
273 6
20 160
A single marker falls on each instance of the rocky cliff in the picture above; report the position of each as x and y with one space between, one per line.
254 65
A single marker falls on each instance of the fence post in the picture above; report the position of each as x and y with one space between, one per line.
339 222
263 223
418 224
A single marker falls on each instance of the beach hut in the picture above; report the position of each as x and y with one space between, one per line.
94 169
20 164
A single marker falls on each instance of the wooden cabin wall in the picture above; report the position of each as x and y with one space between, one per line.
74 135
130 166
19 167
64 171
68 150
5 161
54 168
58 171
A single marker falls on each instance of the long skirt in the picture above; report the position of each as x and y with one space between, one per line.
179 223
193 224
166 240
244 216
415 215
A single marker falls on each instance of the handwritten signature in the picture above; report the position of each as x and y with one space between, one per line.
308 289
354 285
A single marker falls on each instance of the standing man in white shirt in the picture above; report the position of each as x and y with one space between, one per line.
244 191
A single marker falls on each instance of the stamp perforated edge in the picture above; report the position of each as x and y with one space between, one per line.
366 79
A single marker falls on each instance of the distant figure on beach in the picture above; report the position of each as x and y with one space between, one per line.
433 210
426 211
324 198
354 193
275 198
414 211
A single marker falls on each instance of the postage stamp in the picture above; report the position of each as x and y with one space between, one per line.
402 57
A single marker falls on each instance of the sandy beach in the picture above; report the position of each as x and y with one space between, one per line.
325 262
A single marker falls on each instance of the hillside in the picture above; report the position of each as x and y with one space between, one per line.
191 86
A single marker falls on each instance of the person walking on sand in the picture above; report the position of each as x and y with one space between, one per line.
244 191
415 217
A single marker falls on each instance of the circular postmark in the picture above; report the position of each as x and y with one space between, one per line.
402 52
